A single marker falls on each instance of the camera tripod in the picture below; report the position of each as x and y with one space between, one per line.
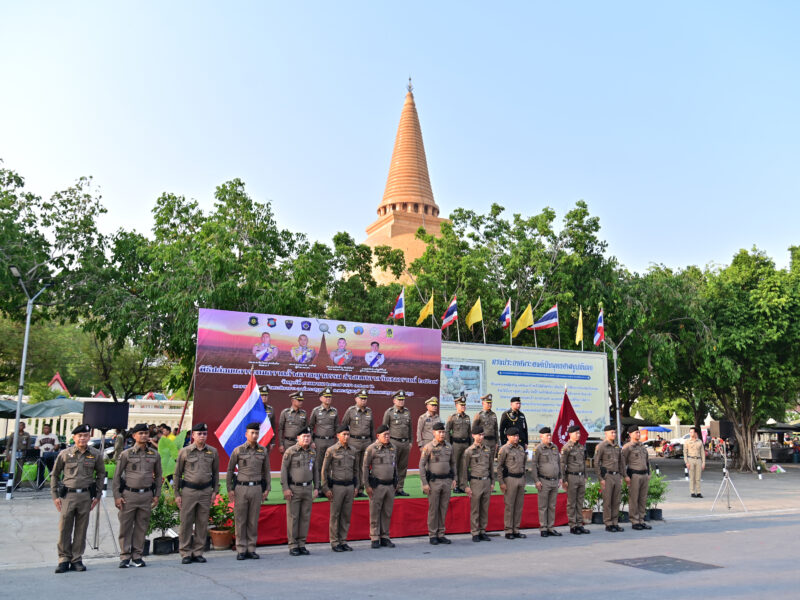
727 484
101 507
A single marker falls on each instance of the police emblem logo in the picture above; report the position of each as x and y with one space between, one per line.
341 328
358 330
288 323
253 321
389 332
323 327
305 325
271 322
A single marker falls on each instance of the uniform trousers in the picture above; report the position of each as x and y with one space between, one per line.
695 472
341 508
75 509
402 450
380 512
547 504
458 452
611 495
246 508
576 490
479 505
637 497
438 501
298 515
134 519
514 499
195 507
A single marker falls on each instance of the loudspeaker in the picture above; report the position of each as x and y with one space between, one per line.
106 415
722 429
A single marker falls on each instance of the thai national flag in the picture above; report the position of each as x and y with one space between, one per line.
599 332
451 314
548 320
505 317
399 310
248 408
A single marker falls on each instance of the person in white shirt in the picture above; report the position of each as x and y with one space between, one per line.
48 445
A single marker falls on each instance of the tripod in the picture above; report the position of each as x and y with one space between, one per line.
102 507
727 484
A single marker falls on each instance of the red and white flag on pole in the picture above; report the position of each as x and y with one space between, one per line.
567 417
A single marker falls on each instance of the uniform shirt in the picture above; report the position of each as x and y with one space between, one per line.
380 461
694 449
323 421
80 469
340 463
608 456
399 423
546 462
46 443
252 460
291 421
23 444
458 426
635 456
516 419
437 458
197 465
360 422
510 459
425 425
477 461
140 467
573 458
487 419
298 466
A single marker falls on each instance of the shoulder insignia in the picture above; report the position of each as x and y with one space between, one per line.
260 450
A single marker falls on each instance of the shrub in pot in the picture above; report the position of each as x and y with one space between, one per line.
656 494
593 502
221 519
164 516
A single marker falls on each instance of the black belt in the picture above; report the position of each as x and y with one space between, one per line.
639 472
339 482
373 481
695 457
478 478
459 440
324 437
613 473
548 478
433 476
137 490
194 486
302 483
517 475
575 473
490 437
248 483
361 437
403 440
76 490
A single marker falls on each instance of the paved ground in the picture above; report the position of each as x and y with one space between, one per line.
753 550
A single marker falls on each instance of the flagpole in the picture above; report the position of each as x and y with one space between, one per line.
404 306
510 328
580 312
558 326
535 343
458 329
484 331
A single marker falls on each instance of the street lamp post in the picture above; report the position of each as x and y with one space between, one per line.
13 463
614 350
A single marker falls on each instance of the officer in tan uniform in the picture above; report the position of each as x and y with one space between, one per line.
573 474
477 479
610 467
196 484
264 389
248 489
426 422
488 420
137 486
75 496
437 466
637 475
292 420
458 428
511 460
398 419
339 481
694 457
547 476
299 483
323 422
379 471
362 429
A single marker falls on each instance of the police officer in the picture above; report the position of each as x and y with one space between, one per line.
264 389
610 467
573 474
362 429
247 489
196 484
75 496
137 486
546 476
398 419
379 471
322 424
339 481
426 422
694 457
292 420
514 417
637 475
437 475
458 434
488 420
299 482
511 475
477 479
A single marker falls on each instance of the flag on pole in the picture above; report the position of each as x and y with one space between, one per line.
525 320
248 408
475 314
548 320
427 311
567 417
399 310
579 332
505 316
599 332
450 316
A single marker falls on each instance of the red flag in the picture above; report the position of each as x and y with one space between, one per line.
566 418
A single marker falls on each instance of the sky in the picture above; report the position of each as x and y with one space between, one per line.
676 122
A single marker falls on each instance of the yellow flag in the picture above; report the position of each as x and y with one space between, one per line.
475 314
579 333
426 311
525 320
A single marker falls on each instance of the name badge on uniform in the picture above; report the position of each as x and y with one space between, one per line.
311 464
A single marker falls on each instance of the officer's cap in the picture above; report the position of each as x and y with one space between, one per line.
326 393
264 389
545 430
512 431
432 400
362 394
399 395
200 427
514 399
254 425
633 428
573 429
382 429
83 428
139 427
487 398
462 399
438 426
477 428
304 431
609 428
342 428
297 396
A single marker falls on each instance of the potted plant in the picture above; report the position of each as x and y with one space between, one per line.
593 503
656 493
164 516
221 518
624 495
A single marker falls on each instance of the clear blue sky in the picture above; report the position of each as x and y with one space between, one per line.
677 122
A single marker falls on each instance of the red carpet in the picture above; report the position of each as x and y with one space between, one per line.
409 518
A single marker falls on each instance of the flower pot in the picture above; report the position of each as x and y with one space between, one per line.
587 515
597 518
146 550
163 545
221 539
655 514
176 544
647 515
207 545
624 517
